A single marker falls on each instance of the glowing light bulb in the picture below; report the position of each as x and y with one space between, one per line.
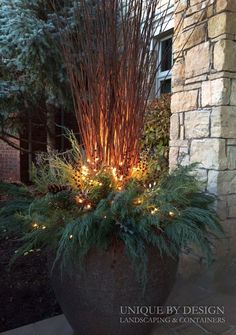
35 225
88 206
44 227
171 214
154 211
79 200
70 237
137 201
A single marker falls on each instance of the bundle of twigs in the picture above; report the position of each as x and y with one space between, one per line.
110 65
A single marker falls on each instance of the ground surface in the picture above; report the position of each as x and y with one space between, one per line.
25 292
216 287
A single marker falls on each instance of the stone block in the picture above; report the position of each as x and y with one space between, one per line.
230 229
233 93
201 2
197 124
223 122
183 158
224 55
193 9
173 157
221 182
222 5
231 23
217 25
194 2
195 36
221 207
231 200
210 152
197 60
184 101
195 80
216 92
174 126
179 16
182 132
232 212
202 175
194 86
179 143
212 183
178 41
181 5
210 11
231 157
192 19
181 119
178 73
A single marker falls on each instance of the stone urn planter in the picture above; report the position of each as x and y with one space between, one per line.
95 298
138 220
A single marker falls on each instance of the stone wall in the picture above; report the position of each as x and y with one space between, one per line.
9 163
203 123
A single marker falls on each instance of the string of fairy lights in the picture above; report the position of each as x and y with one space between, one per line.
87 176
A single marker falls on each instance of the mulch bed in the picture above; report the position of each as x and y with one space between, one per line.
25 292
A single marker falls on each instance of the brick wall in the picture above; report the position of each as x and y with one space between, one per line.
9 163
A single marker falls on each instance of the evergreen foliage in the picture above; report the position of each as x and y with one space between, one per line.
88 208
32 71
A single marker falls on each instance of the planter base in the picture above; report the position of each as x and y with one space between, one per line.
99 299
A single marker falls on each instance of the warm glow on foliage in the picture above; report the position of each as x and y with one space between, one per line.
86 177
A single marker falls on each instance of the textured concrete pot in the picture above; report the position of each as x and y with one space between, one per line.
91 298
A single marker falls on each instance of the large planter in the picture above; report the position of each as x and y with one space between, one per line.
91 298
